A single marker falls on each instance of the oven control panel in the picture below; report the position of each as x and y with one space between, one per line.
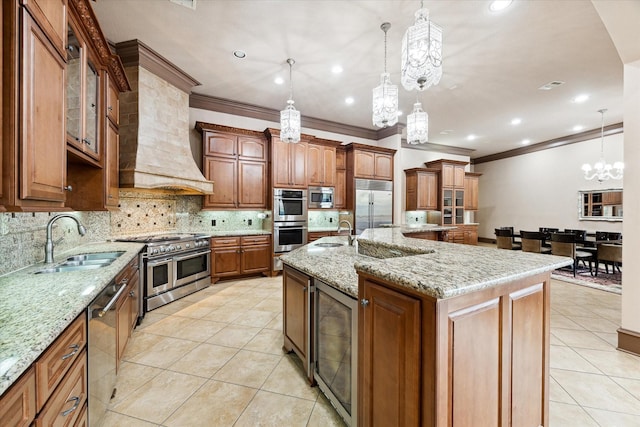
182 246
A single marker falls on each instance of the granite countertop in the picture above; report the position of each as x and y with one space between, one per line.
439 269
420 228
237 233
36 308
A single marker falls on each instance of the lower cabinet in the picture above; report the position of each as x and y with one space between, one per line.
126 307
466 234
18 405
239 256
456 361
297 315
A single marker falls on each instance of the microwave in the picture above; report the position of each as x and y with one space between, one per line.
320 197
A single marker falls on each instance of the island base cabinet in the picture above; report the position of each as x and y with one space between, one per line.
18 405
481 358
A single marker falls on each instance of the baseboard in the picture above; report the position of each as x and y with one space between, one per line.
486 240
629 341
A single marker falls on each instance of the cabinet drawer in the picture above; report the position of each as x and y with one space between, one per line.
58 358
255 240
222 242
66 404
18 405
128 272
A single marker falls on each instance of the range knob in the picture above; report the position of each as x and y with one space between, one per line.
187 245
178 247
162 249
171 248
155 251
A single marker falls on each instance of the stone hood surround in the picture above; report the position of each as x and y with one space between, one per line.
155 151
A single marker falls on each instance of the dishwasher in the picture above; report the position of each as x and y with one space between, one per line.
102 350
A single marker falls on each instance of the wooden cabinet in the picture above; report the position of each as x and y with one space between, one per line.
451 187
340 190
611 198
297 316
18 404
471 181
321 163
239 256
451 172
419 362
470 234
289 164
52 18
111 170
370 162
127 307
422 189
236 161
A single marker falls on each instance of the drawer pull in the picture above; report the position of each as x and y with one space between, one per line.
75 348
364 302
76 403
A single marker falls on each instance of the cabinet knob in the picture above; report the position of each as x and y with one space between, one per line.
364 302
110 108
132 294
67 188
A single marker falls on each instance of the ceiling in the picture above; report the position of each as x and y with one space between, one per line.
493 63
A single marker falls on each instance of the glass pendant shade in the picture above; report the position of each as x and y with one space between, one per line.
601 170
290 117
385 96
421 53
385 102
417 125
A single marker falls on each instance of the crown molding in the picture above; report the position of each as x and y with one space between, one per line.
205 102
552 143
136 53
439 148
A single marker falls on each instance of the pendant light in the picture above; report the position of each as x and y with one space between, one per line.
601 170
421 53
417 124
385 96
290 117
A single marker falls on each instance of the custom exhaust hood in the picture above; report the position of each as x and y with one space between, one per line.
155 150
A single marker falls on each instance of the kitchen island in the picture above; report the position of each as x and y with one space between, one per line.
448 334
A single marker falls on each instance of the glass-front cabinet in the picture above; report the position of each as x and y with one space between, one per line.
83 97
452 206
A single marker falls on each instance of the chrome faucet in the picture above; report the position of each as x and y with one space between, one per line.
351 236
48 248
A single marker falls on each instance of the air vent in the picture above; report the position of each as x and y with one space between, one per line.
191 4
549 85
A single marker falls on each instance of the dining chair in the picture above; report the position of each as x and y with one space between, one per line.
564 244
504 239
580 234
547 233
532 242
609 253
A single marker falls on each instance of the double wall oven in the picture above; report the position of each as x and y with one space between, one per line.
289 222
173 266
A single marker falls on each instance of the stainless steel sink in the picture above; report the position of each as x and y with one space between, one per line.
95 256
66 268
329 244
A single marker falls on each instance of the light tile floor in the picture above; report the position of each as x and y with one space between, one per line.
215 358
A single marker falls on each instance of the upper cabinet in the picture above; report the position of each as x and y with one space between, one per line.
471 181
321 162
370 162
452 172
54 93
340 192
288 161
236 160
422 189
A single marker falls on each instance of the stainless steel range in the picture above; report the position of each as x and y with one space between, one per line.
172 266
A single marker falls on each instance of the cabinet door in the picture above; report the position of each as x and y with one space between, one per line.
458 176
363 164
18 404
51 16
250 148
134 299
280 164
298 165
447 175
91 106
427 191
296 311
225 261
471 193
340 192
329 166
222 171
111 167
123 324
219 144
42 131
315 166
113 102
252 184
389 340
384 166
341 158
470 235
256 259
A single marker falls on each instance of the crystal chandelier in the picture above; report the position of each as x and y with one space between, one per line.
385 96
421 53
601 170
290 117
417 125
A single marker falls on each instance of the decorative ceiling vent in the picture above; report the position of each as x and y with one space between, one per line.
191 4
547 86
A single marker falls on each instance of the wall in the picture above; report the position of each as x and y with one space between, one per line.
541 189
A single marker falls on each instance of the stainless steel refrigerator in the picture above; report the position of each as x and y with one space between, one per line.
374 203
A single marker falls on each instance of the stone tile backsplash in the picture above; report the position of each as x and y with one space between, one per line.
23 235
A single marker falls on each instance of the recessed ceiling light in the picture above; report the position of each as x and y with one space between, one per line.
580 98
516 121
551 85
577 128
278 80
240 54
526 141
399 113
471 137
349 100
498 5
336 69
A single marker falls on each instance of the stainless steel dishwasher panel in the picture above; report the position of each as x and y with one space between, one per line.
102 350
